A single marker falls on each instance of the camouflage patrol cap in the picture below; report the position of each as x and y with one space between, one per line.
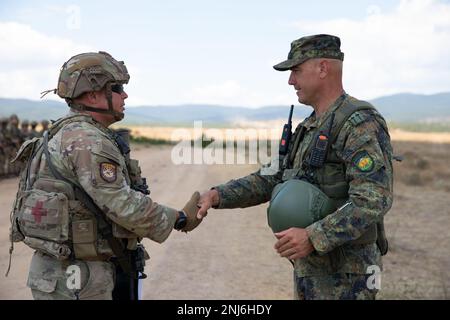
33 123
315 46
90 71
25 123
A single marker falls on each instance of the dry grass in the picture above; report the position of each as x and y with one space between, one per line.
272 127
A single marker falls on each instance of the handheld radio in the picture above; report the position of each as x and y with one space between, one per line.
286 135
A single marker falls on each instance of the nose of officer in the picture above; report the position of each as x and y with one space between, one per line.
292 81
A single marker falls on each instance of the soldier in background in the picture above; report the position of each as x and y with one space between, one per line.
25 135
342 150
44 124
33 132
25 128
16 141
3 156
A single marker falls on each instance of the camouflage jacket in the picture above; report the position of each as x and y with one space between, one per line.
85 152
370 190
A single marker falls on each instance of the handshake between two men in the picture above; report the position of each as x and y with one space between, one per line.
196 209
291 243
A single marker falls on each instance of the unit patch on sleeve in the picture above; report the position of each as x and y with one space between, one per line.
108 171
363 161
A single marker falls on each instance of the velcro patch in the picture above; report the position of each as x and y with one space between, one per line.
357 118
363 161
108 171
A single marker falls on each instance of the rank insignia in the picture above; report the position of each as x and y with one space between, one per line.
363 161
108 171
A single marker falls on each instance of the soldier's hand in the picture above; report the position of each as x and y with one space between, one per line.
293 243
207 200
190 209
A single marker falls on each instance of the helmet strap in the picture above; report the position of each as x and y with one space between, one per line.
81 107
117 115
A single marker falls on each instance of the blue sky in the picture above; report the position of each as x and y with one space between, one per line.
222 52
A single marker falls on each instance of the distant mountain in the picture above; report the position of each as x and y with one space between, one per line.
403 107
408 107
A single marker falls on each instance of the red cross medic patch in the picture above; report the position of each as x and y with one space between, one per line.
108 171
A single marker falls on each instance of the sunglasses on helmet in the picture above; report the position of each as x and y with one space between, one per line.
117 88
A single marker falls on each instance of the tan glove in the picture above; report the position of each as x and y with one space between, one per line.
191 209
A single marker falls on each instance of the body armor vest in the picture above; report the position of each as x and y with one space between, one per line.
330 177
51 214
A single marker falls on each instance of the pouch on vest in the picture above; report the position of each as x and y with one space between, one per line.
44 215
24 154
84 229
84 238
56 250
26 149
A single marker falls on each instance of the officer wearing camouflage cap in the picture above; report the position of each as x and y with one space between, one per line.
334 186
82 204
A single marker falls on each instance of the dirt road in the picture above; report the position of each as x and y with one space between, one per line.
231 255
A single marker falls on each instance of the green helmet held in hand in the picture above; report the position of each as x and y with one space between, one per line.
297 203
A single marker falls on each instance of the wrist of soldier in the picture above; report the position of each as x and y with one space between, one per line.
181 220
317 238
215 197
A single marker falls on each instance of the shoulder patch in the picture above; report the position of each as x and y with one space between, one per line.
108 171
357 118
363 161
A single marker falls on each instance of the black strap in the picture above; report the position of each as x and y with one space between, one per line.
104 227
82 107
299 134
343 113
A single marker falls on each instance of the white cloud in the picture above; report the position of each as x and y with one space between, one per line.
31 60
401 50
405 50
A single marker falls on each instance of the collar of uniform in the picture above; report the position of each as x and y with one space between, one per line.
92 120
315 122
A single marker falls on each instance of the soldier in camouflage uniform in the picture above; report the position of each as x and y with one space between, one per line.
2 151
33 132
5 146
334 257
25 129
44 124
25 135
81 203
16 139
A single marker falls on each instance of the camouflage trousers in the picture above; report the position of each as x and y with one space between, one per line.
339 286
50 279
